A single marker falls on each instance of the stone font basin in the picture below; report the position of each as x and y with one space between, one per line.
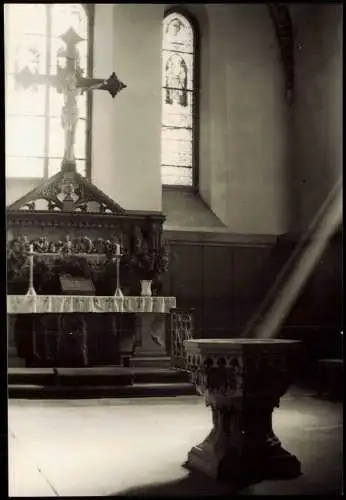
242 381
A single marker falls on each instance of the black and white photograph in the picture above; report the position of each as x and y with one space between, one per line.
174 249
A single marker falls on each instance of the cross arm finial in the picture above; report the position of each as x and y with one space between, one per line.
113 85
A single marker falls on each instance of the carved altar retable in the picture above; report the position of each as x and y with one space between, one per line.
75 232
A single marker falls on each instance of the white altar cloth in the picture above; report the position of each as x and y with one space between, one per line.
57 304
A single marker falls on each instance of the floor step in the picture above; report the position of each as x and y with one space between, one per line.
34 391
151 361
69 376
31 376
13 359
164 375
94 376
16 362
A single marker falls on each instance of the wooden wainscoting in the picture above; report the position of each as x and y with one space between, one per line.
222 276
225 277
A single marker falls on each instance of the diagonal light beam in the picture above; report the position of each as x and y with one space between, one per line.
271 296
302 271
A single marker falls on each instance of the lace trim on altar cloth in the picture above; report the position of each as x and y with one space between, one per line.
43 304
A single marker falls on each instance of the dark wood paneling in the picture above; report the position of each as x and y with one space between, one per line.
226 282
186 278
186 273
217 314
320 302
250 280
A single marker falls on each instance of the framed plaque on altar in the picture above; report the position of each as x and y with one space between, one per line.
76 285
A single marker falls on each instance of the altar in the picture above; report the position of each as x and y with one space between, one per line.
54 323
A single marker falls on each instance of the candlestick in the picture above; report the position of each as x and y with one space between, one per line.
118 292
69 246
31 290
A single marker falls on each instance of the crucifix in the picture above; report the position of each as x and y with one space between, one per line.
70 82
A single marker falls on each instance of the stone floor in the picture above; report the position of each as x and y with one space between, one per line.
136 447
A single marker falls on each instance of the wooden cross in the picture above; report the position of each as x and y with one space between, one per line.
70 82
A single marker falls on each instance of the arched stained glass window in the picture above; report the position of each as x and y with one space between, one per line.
179 101
34 136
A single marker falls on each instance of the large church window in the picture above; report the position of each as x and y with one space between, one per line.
179 101
34 136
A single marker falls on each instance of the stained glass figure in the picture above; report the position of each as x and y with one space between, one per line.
178 94
176 80
32 40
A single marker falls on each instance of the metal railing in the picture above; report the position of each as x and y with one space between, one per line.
181 327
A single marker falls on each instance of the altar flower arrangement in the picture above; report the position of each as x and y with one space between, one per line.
72 265
18 268
148 263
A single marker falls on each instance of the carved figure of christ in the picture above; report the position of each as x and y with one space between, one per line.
70 82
